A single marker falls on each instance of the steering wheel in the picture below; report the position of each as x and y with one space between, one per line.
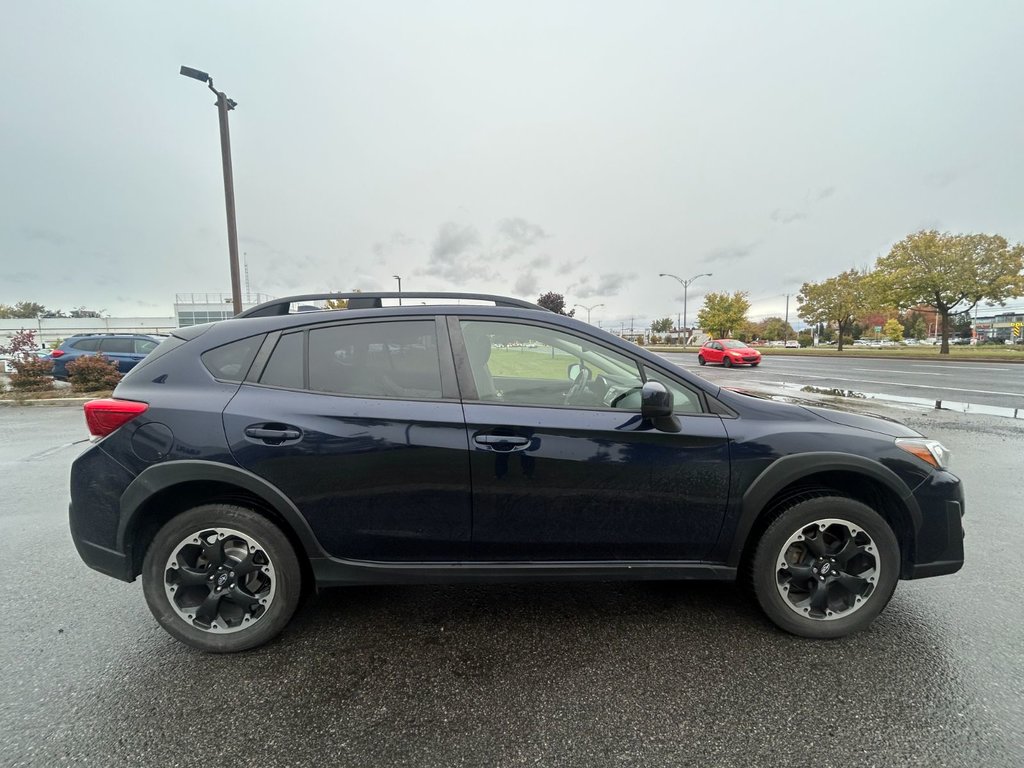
578 384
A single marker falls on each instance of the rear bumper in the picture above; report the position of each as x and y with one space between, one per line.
97 557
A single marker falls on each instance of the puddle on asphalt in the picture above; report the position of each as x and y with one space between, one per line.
922 402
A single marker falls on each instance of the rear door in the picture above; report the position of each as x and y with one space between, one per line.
360 425
563 465
120 349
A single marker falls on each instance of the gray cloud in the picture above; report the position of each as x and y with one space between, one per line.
782 216
44 235
608 284
825 193
731 253
526 284
384 248
570 265
456 255
515 235
540 262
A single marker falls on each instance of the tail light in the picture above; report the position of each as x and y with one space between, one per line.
104 416
57 353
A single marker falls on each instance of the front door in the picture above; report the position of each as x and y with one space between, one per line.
564 468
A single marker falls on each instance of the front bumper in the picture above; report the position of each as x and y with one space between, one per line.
939 540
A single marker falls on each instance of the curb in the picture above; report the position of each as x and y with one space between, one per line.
53 402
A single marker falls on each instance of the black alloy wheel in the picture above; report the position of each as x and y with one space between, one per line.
826 567
221 578
727 361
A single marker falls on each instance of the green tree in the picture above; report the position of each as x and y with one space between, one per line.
722 313
23 310
775 328
951 273
556 303
662 326
893 330
836 301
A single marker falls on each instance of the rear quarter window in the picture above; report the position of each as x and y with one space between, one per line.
231 362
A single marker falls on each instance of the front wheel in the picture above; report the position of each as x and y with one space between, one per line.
221 578
826 567
727 362
701 360
754 365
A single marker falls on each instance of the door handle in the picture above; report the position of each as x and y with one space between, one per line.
273 436
502 443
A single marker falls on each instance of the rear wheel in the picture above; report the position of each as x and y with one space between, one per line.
221 578
826 567
701 360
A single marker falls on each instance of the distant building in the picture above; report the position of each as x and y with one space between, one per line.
199 308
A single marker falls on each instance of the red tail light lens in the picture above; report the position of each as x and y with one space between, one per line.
57 353
104 416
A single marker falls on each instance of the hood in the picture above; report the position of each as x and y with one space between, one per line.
880 424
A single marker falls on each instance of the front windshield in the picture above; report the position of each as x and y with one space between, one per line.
733 344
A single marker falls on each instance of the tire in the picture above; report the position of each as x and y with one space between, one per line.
727 362
701 360
754 365
244 553
856 560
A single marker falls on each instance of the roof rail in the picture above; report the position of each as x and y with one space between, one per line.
372 300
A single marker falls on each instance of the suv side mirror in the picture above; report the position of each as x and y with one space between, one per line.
655 400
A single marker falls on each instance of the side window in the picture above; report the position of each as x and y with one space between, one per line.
87 345
231 362
117 346
285 367
684 400
381 359
536 365
144 346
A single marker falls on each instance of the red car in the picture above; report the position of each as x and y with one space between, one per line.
728 352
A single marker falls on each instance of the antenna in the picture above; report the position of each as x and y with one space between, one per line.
245 261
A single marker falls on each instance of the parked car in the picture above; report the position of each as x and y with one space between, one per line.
728 352
125 349
792 344
244 462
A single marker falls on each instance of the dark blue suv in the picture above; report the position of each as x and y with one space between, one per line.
125 349
484 438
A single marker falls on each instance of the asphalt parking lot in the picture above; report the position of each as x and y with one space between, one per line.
543 674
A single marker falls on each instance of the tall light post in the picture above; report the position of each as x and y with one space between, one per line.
399 279
686 287
591 307
224 105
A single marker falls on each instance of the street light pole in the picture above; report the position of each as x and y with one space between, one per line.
686 287
224 105
593 306
399 279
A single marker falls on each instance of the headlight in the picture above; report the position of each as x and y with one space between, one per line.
932 451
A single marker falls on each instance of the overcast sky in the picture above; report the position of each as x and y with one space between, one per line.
515 148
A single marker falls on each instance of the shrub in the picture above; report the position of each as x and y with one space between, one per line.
655 339
91 373
32 374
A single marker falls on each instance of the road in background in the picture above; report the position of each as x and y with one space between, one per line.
511 675
995 384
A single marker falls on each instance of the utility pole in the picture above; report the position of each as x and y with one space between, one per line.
224 105
591 307
686 286
786 329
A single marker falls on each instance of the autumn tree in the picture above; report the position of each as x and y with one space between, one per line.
837 301
951 273
893 330
556 303
722 313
